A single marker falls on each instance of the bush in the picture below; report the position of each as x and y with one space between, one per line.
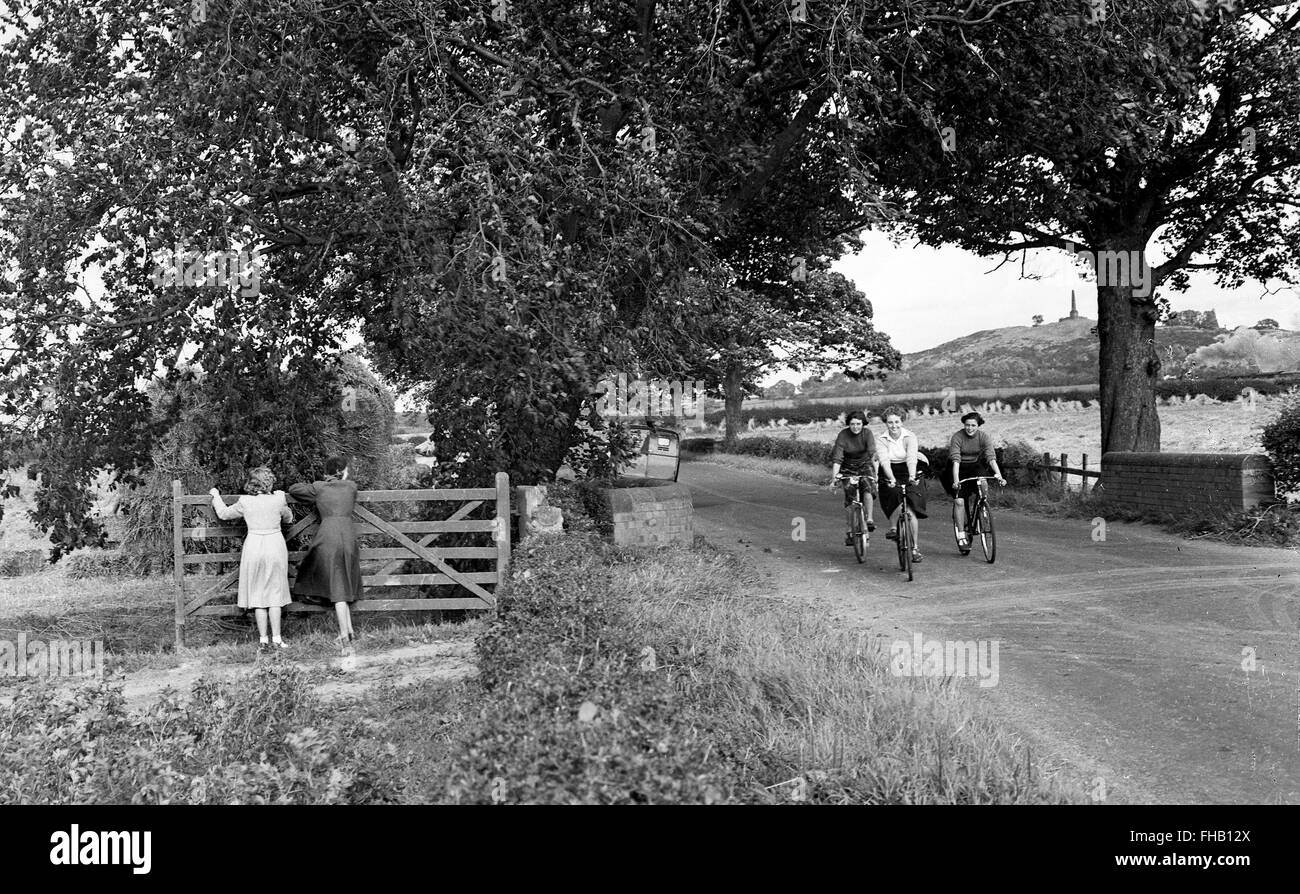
263 739
112 563
700 445
14 563
569 716
1022 464
1281 441
583 505
785 448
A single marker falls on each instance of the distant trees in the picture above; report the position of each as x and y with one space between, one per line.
782 390
1038 319
1266 323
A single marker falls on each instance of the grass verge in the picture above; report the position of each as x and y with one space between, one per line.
617 676
610 676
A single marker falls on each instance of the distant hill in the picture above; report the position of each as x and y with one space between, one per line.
1065 353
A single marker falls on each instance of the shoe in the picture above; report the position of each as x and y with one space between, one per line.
963 544
275 647
871 526
263 648
892 535
917 558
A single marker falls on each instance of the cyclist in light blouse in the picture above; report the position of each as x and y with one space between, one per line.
899 455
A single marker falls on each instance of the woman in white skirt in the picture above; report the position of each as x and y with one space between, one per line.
264 562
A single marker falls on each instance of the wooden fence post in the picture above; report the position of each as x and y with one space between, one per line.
1083 486
178 561
503 529
1064 462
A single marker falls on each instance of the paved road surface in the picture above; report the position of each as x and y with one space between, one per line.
1122 658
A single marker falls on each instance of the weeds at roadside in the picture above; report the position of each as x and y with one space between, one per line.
616 676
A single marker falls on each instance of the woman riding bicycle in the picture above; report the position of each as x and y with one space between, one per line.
970 455
899 458
855 451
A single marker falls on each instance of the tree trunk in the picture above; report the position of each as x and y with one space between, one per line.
733 395
1129 367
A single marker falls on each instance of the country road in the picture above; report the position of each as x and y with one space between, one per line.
1121 659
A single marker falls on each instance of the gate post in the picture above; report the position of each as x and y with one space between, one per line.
503 527
178 561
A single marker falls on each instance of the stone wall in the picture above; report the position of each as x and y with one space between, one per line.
652 516
1178 482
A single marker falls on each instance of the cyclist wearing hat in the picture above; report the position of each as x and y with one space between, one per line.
970 454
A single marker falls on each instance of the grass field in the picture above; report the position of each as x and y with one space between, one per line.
1184 428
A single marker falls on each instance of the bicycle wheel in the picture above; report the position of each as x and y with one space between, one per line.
988 540
859 534
904 544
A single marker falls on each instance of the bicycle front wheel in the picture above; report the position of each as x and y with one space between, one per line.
988 540
859 535
904 545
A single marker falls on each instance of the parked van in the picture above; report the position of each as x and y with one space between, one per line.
658 453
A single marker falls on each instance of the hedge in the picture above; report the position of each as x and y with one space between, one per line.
1226 389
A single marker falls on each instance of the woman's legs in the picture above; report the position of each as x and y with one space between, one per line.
275 623
344 615
260 614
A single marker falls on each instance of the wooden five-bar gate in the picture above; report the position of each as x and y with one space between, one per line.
190 604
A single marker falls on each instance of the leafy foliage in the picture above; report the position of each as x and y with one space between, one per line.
262 740
1085 133
1281 441
506 210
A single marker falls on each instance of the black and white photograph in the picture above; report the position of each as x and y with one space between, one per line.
651 402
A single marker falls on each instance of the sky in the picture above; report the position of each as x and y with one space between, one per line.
923 297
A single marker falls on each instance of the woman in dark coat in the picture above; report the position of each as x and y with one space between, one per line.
330 572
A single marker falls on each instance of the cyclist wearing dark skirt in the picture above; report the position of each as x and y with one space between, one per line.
970 455
855 453
900 457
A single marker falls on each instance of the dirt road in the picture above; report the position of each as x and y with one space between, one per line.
1126 658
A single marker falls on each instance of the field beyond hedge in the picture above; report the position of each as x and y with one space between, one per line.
1205 427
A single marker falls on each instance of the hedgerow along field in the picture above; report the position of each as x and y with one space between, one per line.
1198 425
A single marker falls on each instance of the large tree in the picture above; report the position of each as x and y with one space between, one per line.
1107 129
505 199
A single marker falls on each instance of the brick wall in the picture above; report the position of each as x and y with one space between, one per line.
652 516
1177 482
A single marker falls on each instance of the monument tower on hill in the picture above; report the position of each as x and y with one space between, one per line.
1074 309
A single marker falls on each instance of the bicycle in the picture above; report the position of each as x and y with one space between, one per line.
903 531
858 521
979 519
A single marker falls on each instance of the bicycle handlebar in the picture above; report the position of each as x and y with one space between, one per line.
978 478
